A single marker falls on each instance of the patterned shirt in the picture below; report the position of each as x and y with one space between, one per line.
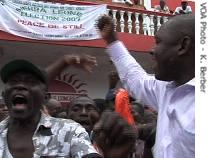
54 138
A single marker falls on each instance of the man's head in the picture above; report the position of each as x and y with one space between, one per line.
25 89
174 51
84 111
101 104
137 111
53 107
162 3
110 99
150 115
184 4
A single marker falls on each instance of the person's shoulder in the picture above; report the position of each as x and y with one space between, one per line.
166 7
62 124
178 8
67 122
67 127
189 8
157 7
3 124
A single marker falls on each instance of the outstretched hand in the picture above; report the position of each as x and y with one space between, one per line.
106 27
114 136
85 62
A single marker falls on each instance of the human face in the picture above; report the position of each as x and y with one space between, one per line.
54 111
184 5
162 4
165 54
24 94
81 111
137 115
53 107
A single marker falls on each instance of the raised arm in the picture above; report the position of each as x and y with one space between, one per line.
140 85
85 62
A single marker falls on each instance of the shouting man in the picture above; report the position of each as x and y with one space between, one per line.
29 133
171 91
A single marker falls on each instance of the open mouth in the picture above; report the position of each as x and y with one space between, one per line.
19 102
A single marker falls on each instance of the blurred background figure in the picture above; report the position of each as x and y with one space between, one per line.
137 111
129 2
150 115
145 120
101 104
114 85
162 7
53 107
183 9
62 114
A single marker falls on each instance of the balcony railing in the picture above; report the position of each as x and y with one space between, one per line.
137 21
130 20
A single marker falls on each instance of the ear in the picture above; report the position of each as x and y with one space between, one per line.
185 45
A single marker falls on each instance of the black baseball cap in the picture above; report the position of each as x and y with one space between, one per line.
23 66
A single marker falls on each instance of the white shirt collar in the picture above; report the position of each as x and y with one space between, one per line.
191 82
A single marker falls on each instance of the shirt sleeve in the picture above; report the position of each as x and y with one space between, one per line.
167 10
189 9
156 8
177 10
140 85
81 145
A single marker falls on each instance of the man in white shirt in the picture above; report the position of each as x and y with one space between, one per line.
162 7
171 91
183 9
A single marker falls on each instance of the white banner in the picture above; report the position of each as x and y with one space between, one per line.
48 21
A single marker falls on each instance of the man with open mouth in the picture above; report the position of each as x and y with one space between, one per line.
84 111
28 132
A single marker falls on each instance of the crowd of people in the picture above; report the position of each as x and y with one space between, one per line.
184 8
159 117
162 7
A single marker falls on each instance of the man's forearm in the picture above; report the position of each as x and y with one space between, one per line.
55 68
